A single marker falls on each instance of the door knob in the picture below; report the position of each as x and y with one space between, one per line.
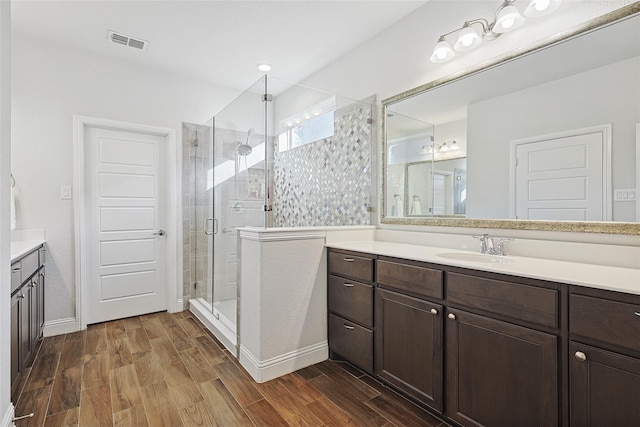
159 233
581 356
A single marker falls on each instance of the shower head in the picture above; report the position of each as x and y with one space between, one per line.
244 149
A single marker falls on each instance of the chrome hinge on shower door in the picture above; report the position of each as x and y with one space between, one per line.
267 208
267 97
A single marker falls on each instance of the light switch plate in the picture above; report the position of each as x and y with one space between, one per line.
624 195
65 192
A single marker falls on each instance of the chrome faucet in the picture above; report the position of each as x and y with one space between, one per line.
487 246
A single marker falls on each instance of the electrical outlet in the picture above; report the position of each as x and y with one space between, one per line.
65 192
624 195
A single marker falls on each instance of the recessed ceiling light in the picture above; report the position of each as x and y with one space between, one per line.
264 67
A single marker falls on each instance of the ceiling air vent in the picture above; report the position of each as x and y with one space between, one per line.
127 40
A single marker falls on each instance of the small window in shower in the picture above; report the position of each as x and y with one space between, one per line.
306 127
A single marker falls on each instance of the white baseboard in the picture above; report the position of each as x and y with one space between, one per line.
263 371
7 419
60 327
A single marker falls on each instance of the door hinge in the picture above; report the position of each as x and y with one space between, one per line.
267 97
267 208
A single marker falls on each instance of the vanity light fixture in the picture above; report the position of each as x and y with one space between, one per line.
264 67
507 18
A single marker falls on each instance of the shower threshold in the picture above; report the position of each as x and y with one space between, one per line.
217 322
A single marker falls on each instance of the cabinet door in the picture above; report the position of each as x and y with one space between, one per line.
40 307
33 311
605 387
15 339
500 374
25 326
409 345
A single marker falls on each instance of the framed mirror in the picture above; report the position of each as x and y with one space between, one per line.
543 140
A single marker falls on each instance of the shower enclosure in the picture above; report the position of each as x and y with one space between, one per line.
279 155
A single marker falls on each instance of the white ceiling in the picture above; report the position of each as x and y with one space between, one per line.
220 42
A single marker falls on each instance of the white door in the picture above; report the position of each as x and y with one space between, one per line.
125 200
561 178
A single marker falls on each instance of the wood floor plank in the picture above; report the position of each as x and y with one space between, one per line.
398 409
167 320
115 330
76 336
72 352
43 371
191 327
358 389
263 414
179 337
95 407
153 327
159 406
199 414
131 323
349 403
131 417
211 351
120 353
96 342
240 386
33 401
309 372
125 389
183 389
330 414
224 406
149 369
66 390
165 350
96 370
201 371
52 345
300 387
63 419
138 342
289 404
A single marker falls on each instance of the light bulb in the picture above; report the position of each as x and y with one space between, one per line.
442 52
538 8
467 39
508 19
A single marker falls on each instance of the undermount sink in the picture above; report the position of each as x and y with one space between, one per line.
471 257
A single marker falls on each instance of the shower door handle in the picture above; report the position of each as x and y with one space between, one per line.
215 226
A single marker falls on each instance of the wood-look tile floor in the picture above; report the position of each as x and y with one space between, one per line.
165 370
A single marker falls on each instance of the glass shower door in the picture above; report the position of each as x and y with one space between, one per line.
237 199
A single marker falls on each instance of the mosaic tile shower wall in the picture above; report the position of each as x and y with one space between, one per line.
327 182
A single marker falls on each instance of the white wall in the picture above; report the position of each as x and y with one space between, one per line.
6 408
51 84
553 107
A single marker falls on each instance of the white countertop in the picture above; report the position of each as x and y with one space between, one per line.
23 247
594 276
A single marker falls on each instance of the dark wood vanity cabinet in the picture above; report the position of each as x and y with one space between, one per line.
27 312
604 358
500 374
350 303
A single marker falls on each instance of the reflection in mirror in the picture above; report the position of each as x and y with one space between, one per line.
550 135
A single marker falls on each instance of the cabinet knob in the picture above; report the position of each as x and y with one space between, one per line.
581 356
434 311
452 316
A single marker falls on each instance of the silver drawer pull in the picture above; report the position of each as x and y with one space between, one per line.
637 313
348 259
350 285
434 311
581 356
349 327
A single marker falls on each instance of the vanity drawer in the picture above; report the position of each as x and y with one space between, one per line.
522 302
356 267
351 341
16 275
610 322
26 266
410 278
352 300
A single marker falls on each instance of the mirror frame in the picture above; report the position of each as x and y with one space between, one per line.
629 228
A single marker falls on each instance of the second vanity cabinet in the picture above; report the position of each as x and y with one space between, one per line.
27 311
489 349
